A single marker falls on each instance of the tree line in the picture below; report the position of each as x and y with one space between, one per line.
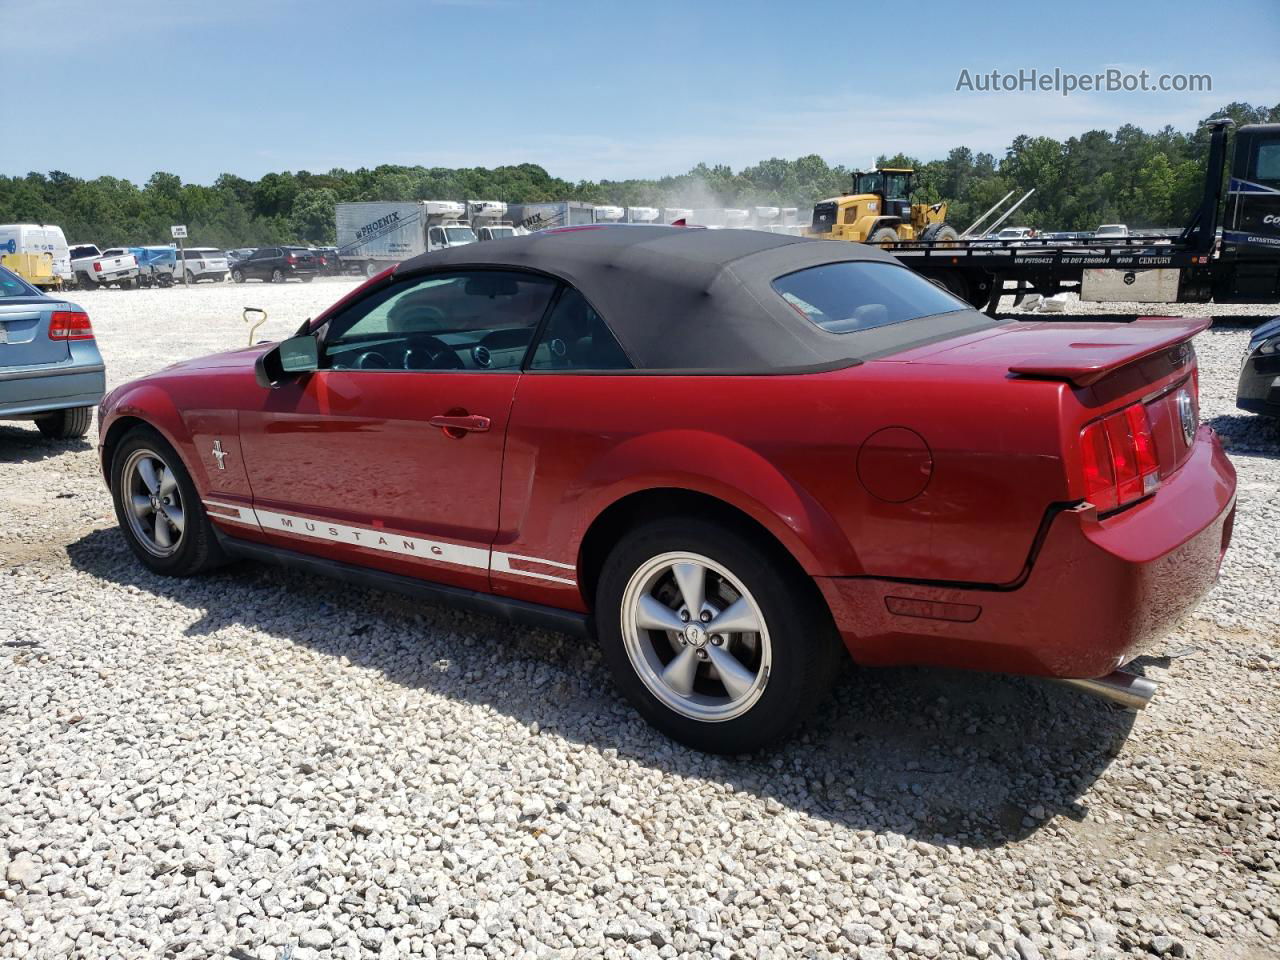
1142 178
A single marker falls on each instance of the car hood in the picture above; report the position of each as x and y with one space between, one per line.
243 358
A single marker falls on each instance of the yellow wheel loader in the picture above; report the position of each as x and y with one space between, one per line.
879 211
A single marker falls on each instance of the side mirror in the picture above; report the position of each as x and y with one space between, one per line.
287 360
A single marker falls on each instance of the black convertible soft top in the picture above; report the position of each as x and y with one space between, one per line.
695 299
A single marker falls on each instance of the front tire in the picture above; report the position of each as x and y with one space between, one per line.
237 276
159 509
729 690
885 238
371 269
65 424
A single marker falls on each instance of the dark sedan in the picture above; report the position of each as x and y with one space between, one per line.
1259 388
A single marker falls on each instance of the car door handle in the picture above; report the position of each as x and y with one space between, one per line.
459 426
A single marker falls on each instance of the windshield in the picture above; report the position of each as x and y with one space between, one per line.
12 285
499 232
869 183
892 186
863 295
459 234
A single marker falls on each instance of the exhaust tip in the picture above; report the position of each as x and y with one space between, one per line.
1126 689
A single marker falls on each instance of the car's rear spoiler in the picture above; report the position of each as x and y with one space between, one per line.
1103 349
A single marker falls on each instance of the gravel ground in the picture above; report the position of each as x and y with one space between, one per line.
262 764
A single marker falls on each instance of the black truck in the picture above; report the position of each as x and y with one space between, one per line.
1228 253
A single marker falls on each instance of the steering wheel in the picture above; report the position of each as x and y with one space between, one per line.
371 360
429 353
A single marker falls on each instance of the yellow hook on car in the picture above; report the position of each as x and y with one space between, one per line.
253 329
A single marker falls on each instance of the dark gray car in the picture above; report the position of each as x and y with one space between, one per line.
50 368
1259 389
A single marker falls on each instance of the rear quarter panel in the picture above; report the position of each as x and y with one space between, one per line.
784 450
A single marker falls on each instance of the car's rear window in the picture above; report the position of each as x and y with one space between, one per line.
862 295
11 285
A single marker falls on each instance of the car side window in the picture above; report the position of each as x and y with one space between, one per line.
473 320
577 338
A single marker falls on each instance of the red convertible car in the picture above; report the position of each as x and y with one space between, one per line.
722 454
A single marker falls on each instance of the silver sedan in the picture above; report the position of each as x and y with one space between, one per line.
50 368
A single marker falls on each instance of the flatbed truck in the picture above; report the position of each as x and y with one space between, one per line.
1228 253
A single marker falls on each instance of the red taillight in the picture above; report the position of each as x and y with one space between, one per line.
1143 444
324 262
97 267
1118 458
70 325
292 259
1099 473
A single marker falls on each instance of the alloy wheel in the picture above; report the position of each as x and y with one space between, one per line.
696 636
153 503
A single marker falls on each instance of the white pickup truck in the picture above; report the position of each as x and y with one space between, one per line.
92 269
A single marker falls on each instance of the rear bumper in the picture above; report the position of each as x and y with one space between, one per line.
115 276
1097 592
42 393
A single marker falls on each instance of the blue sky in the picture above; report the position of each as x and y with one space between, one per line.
588 90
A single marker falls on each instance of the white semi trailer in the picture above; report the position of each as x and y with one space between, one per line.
489 219
378 234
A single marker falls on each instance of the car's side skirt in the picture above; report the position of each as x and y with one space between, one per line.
504 608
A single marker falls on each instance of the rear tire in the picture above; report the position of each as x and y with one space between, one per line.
371 269
191 278
941 233
277 276
730 692
66 424
184 549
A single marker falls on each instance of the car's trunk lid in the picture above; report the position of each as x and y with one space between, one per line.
1107 365
1081 352
24 333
